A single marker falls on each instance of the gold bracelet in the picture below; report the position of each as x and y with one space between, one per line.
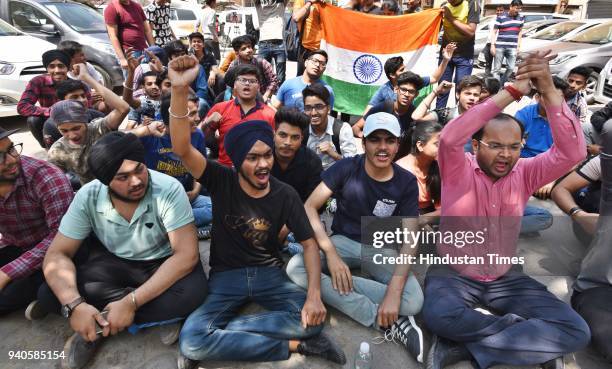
177 116
133 295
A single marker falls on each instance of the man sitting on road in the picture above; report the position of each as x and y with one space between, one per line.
35 195
143 264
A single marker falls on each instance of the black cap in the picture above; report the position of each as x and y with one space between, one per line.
4 133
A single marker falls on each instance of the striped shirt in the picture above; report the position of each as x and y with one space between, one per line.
509 29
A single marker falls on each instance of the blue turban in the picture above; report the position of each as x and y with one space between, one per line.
241 138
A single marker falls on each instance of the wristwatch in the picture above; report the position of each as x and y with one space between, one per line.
69 308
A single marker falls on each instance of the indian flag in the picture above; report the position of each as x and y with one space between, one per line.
359 44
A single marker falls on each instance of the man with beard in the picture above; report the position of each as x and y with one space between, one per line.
290 92
40 93
34 195
78 134
249 209
530 325
244 107
367 185
145 268
294 164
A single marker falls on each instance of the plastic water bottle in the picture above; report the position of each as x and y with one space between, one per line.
363 359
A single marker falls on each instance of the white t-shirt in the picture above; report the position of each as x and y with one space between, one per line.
270 14
207 21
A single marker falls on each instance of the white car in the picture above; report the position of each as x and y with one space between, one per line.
558 32
603 93
20 61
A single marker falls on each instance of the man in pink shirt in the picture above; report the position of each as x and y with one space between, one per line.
127 28
529 325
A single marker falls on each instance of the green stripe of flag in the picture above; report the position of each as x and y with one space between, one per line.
353 98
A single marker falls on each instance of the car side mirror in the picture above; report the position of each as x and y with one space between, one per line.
49 29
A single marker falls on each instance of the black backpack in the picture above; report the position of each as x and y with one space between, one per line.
293 38
337 126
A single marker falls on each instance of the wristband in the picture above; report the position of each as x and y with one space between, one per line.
133 295
574 210
516 94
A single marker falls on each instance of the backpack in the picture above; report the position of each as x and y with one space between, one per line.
293 38
336 127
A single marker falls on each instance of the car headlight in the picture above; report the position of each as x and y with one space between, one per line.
562 59
107 48
6 68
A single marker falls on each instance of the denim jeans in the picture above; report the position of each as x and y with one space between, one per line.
362 303
535 219
137 54
202 210
500 54
459 66
530 326
215 331
274 50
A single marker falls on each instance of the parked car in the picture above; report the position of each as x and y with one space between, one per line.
590 48
484 27
558 32
20 61
58 20
603 93
183 18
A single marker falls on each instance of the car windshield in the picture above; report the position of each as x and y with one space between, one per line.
557 31
182 14
79 17
7 30
598 35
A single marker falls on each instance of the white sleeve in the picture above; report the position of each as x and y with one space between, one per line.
347 141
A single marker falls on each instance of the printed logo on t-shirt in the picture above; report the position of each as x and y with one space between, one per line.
384 208
254 230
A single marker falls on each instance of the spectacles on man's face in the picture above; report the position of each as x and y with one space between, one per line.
318 107
499 147
247 81
407 91
318 63
13 150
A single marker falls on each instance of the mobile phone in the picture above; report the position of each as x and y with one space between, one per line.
99 328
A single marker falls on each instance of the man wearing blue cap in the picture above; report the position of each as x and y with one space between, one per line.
367 185
249 209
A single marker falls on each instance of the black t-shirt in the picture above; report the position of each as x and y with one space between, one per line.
245 229
358 195
405 120
303 173
208 60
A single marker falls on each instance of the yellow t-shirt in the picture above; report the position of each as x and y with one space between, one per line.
466 12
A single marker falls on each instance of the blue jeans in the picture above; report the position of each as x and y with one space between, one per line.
274 50
500 54
202 210
362 303
531 325
215 331
458 66
535 219
137 54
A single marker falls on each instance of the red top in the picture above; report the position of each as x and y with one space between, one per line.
232 114
129 20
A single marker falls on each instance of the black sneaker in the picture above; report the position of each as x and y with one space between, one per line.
204 233
557 363
35 311
184 363
444 352
407 332
322 346
78 352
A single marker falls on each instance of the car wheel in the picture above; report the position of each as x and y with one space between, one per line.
591 87
106 78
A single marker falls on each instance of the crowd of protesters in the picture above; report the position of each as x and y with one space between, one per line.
105 232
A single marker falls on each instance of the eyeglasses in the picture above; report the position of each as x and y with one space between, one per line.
318 62
499 147
247 81
13 150
405 91
317 107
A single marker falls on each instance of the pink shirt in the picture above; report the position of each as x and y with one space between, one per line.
467 192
